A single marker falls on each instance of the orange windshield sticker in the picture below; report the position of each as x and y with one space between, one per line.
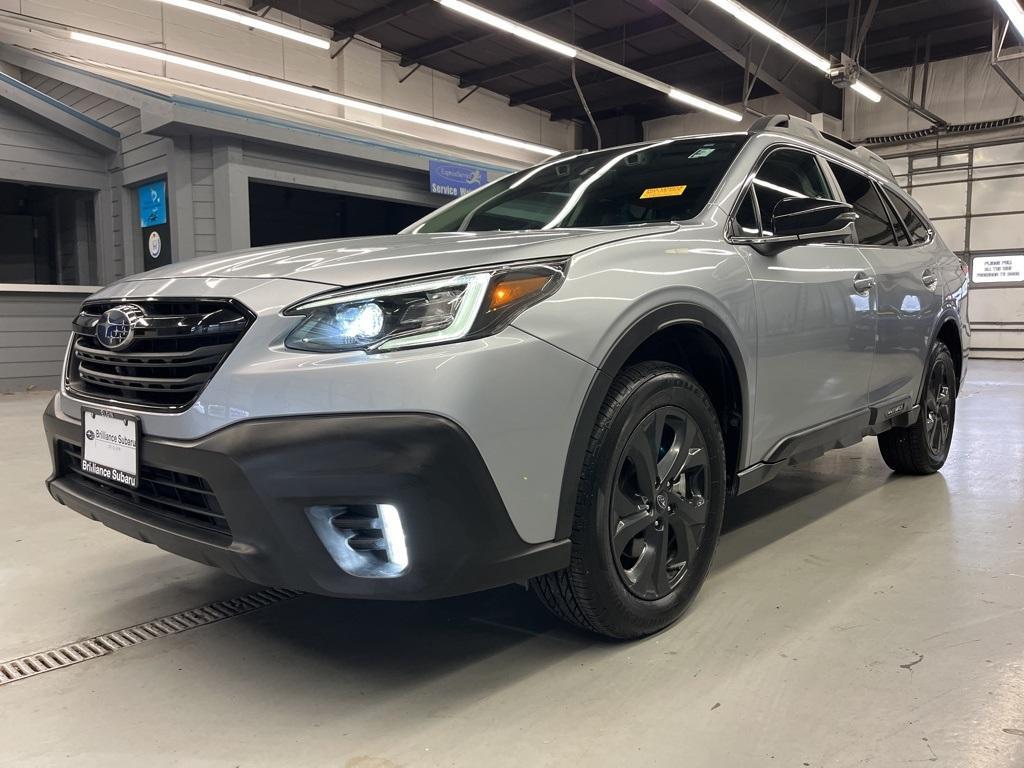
663 192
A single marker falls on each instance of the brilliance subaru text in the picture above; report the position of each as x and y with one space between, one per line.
557 380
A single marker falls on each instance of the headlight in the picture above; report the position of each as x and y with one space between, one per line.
414 314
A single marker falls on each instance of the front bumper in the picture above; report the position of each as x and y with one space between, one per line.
266 473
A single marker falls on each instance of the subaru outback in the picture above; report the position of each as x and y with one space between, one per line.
557 380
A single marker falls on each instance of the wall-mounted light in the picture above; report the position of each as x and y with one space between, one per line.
250 20
312 93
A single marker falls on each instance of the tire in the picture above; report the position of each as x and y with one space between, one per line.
639 558
922 448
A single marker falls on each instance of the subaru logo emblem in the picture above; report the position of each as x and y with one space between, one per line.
116 328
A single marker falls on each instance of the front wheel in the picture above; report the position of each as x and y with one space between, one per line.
922 448
649 507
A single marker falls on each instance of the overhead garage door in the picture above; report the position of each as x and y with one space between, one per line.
975 196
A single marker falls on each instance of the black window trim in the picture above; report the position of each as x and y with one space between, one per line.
748 189
884 186
897 223
824 157
885 205
929 228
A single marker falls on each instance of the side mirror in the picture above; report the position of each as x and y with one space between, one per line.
807 218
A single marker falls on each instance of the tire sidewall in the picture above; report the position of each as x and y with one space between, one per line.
666 386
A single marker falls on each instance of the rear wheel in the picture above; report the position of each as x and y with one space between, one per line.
649 507
922 448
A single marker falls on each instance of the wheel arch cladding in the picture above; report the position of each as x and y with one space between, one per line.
687 335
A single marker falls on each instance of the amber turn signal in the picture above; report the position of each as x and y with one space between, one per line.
508 291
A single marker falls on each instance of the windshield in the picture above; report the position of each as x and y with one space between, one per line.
668 181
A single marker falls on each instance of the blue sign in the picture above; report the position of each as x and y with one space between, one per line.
153 204
455 180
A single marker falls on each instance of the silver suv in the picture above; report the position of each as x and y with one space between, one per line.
557 380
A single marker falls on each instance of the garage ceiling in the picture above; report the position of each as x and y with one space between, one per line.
707 57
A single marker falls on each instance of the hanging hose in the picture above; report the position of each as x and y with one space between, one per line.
583 101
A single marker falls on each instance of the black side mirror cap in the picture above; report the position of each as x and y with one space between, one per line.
808 218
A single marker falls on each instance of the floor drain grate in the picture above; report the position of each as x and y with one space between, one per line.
102 645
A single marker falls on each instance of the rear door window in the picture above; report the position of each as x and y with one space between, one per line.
873 226
915 225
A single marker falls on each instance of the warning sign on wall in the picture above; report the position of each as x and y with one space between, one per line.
998 269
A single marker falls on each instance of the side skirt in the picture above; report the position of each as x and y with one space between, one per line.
840 433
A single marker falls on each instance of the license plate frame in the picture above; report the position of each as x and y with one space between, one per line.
111 443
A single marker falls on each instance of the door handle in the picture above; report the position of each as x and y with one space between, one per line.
863 282
930 279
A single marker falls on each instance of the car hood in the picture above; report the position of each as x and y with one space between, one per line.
364 260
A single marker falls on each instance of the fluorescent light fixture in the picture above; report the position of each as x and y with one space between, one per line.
707 106
773 33
1014 13
866 91
525 33
798 49
312 93
250 20
513 28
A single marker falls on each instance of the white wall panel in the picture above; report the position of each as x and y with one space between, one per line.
997 196
988 172
702 122
939 177
953 232
943 199
994 233
961 90
999 153
128 19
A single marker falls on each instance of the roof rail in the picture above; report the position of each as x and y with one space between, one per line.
800 127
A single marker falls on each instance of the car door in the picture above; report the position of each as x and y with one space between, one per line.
816 325
908 295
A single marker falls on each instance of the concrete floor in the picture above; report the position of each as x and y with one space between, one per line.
851 618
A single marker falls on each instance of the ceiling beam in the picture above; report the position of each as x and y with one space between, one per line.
862 29
377 17
629 98
681 57
627 32
647 65
734 54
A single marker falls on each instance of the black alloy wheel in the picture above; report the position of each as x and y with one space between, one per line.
659 503
922 448
649 506
938 407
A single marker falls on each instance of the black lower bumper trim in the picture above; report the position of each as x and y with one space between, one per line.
265 473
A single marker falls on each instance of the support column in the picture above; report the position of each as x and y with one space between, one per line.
230 197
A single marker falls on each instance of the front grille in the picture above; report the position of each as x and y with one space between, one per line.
177 347
162 493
